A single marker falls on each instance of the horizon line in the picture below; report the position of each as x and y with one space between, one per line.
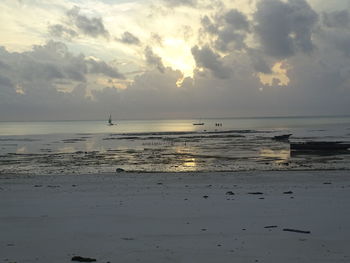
194 118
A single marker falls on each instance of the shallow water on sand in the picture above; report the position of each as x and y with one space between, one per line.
168 146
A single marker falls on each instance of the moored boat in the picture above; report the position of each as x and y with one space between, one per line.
198 123
319 146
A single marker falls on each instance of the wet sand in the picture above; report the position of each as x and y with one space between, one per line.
238 150
176 217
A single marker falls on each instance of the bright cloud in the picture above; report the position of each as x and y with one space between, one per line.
278 75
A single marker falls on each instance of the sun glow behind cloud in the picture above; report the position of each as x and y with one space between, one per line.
176 53
278 77
217 62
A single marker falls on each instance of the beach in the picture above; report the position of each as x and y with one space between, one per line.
164 131
258 216
164 191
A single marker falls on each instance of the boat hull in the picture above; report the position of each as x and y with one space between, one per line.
319 146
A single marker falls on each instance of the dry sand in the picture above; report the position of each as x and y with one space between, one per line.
185 217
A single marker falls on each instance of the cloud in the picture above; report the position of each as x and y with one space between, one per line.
209 26
157 39
50 64
336 31
339 19
153 59
237 19
337 40
231 45
49 80
259 61
227 30
62 31
78 23
284 28
93 27
228 40
128 38
206 58
174 3
5 82
102 67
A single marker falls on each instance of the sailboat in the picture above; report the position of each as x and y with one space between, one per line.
110 123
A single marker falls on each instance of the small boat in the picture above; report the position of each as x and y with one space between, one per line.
110 123
319 146
198 123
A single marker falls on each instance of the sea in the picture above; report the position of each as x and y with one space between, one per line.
220 144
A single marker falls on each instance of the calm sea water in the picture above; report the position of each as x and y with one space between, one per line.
146 126
61 147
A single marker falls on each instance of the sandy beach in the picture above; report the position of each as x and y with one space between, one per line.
176 217
175 131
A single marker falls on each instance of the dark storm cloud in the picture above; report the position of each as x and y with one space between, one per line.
340 19
93 27
30 82
206 58
153 59
129 38
76 24
237 19
228 30
50 63
102 67
209 26
258 61
228 40
284 28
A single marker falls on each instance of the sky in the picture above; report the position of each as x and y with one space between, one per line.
155 59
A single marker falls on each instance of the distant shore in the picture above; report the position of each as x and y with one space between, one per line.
291 216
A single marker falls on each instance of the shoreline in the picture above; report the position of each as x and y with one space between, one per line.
6 175
177 217
223 150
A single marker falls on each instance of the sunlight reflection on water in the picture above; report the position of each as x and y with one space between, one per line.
142 126
278 156
224 150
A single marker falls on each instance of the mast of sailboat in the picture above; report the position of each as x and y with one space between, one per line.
110 119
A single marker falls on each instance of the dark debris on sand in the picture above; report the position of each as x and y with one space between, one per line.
270 226
296 231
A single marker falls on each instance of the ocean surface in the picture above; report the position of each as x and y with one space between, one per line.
147 126
234 144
